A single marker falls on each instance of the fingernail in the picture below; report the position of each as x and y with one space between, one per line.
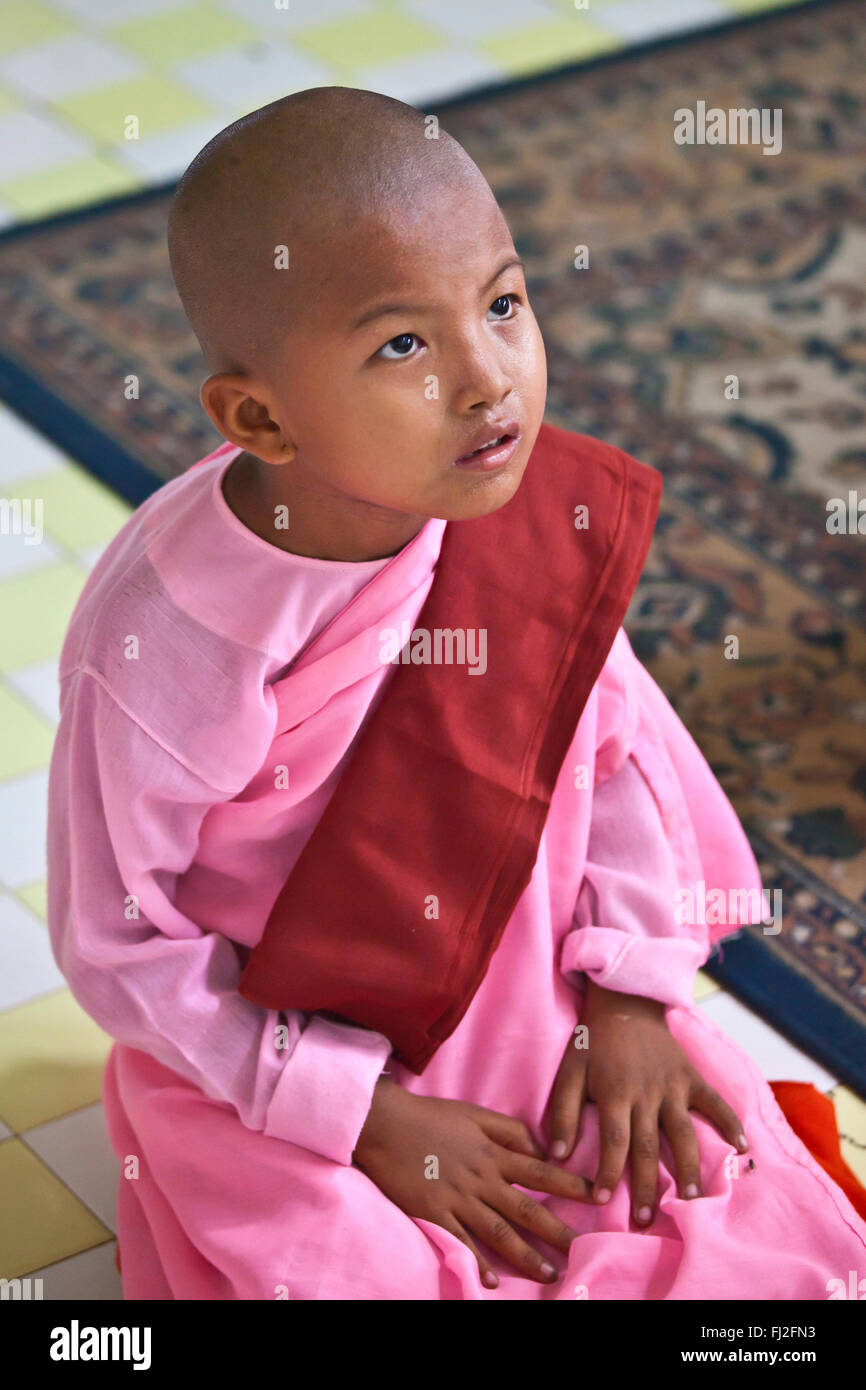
742 1141
692 1190
547 1270
559 1148
644 1214
603 1195
490 1279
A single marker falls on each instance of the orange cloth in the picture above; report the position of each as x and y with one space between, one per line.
812 1117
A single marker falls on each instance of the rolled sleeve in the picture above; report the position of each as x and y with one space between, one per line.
326 1088
626 935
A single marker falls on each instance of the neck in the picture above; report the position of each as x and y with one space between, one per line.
321 526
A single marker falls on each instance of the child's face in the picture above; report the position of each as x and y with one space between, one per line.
378 411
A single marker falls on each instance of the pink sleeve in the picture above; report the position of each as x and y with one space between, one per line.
123 823
625 937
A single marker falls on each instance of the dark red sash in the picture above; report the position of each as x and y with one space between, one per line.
446 795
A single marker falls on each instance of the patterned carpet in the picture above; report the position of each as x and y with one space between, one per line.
707 263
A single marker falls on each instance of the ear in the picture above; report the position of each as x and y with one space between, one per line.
238 407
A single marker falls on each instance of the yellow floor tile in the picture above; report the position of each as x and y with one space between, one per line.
851 1119
52 1056
77 508
157 102
41 1220
753 6
87 180
704 986
26 739
10 100
173 35
27 22
547 45
370 40
35 609
35 895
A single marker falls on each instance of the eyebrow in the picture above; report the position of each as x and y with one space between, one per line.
381 310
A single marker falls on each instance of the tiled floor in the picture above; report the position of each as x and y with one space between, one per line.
98 97
70 73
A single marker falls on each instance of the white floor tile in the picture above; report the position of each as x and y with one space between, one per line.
38 684
27 967
635 20
88 558
108 12
77 1148
165 156
31 141
430 76
23 816
301 14
775 1057
86 1277
240 80
482 19
66 66
18 555
24 452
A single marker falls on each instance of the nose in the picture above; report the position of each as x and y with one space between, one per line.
481 372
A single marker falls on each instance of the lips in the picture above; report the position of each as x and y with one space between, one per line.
492 435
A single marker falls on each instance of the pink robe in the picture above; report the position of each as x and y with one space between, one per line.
212 687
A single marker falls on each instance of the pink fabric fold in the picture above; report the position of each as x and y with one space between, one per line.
626 937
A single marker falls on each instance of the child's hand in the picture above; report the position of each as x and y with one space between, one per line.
638 1076
479 1153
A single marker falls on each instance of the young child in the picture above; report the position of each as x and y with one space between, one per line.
389 947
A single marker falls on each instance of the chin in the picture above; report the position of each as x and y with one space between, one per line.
478 494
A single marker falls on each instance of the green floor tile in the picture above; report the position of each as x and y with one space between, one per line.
157 102
26 738
41 1220
35 608
35 895
27 22
547 45
383 36
9 100
77 508
89 179
173 35
52 1057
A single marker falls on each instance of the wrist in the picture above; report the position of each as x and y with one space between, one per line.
597 997
386 1095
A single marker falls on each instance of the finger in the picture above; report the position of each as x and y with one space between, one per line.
489 1278
492 1227
684 1142
541 1176
510 1133
710 1103
614 1124
644 1153
533 1216
566 1103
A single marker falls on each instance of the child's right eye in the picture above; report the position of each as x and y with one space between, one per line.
401 338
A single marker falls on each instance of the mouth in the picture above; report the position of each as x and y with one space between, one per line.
492 455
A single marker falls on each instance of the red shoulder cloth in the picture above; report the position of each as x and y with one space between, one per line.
450 783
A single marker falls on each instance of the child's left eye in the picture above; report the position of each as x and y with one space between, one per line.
504 299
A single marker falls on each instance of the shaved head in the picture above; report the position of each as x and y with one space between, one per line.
306 172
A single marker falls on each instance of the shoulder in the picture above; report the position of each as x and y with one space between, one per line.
196 691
